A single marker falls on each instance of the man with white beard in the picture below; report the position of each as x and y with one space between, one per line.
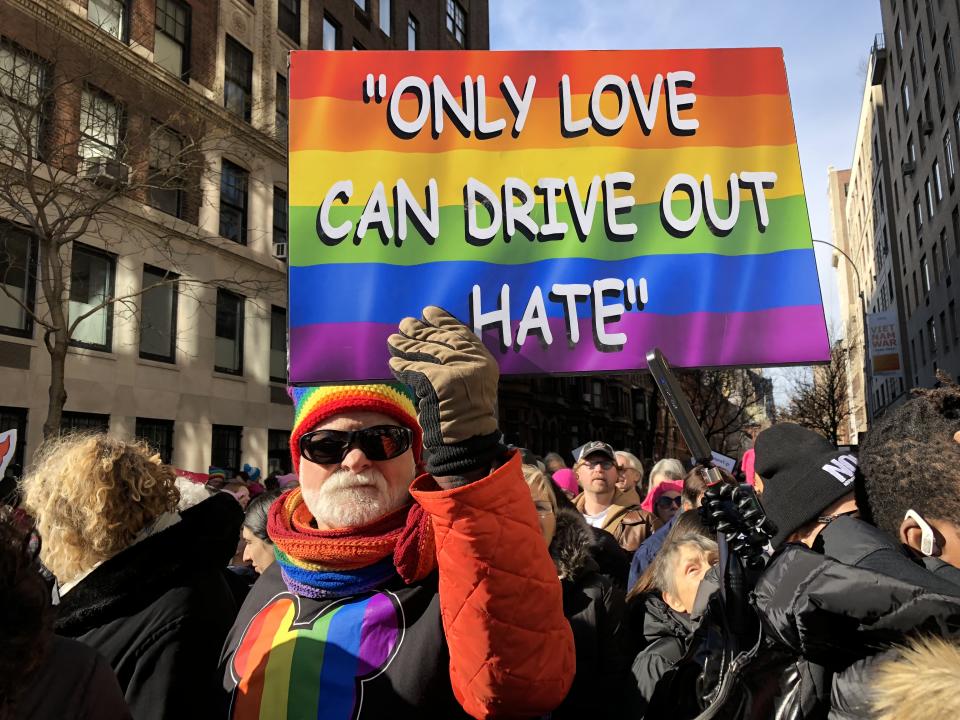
397 592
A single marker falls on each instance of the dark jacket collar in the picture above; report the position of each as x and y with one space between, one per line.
203 541
660 620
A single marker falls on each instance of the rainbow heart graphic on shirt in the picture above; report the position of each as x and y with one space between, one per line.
287 666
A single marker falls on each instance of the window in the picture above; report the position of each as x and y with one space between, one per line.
288 19
903 260
278 452
165 191
158 434
917 212
921 51
932 336
84 422
911 149
931 208
938 84
228 351
91 285
279 215
158 315
935 257
171 41
413 33
225 448
948 155
597 394
899 37
913 351
944 338
953 321
233 202
331 33
18 263
278 344
108 15
23 84
955 223
457 22
948 53
362 4
357 45
14 418
944 252
101 120
937 183
282 119
385 16
905 94
925 274
916 291
237 79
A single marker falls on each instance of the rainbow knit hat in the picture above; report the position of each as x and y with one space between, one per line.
312 405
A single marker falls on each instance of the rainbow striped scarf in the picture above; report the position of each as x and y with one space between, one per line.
349 561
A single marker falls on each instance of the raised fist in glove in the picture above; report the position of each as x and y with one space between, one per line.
455 379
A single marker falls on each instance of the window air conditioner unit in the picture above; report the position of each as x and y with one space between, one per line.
908 167
280 250
926 128
107 172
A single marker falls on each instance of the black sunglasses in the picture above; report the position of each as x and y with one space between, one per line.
665 502
381 442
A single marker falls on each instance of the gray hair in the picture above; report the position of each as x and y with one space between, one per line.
669 467
632 459
665 565
550 457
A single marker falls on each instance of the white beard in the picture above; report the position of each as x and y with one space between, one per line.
349 500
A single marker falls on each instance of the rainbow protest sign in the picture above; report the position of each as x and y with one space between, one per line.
574 208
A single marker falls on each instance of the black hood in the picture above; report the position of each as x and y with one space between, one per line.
203 541
572 545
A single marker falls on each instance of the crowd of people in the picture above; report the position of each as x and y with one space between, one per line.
421 568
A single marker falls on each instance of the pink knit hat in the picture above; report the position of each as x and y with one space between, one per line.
566 480
666 486
747 463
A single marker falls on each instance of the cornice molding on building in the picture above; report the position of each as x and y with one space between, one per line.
122 56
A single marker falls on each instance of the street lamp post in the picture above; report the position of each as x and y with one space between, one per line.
867 378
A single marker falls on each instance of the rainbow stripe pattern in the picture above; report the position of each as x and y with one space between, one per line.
749 298
286 666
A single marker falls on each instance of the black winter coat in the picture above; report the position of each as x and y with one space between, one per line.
73 682
828 618
843 619
594 606
666 634
159 612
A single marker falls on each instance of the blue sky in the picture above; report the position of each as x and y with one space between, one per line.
826 46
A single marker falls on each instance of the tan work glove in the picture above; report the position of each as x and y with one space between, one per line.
455 379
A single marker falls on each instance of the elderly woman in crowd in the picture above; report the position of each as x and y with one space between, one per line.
667 591
139 582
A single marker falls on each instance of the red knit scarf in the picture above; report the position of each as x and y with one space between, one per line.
407 533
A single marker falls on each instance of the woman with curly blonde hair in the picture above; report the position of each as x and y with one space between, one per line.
140 582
